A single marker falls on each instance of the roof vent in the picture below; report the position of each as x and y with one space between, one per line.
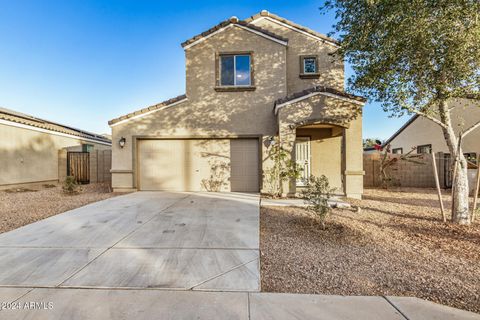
264 12
233 19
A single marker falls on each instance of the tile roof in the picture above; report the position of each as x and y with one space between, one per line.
148 109
265 13
319 89
25 119
235 21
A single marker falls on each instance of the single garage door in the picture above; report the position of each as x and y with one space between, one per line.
198 165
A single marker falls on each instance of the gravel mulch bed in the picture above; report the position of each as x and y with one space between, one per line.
24 206
396 245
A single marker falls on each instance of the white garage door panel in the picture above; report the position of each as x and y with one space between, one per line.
179 165
196 165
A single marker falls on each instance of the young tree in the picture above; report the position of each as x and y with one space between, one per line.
413 57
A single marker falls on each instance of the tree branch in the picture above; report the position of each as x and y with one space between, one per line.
420 113
475 126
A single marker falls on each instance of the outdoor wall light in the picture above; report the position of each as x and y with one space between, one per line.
122 142
271 141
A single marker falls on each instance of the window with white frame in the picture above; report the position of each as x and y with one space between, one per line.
235 70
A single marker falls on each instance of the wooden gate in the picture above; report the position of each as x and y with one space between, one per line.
78 165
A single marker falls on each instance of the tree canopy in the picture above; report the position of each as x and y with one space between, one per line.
410 54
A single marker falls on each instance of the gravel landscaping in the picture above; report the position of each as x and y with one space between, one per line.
19 207
396 245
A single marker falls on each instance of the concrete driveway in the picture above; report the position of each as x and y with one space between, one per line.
190 247
186 241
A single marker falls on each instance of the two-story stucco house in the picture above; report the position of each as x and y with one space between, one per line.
248 84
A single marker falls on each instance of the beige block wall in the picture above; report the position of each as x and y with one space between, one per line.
29 156
423 131
331 70
404 173
209 113
100 164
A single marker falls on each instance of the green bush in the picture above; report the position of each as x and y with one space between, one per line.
283 169
316 194
70 186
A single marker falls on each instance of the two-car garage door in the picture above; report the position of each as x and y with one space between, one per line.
198 165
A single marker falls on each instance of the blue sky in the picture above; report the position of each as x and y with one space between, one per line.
84 62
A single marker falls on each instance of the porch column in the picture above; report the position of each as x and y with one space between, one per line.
353 160
287 134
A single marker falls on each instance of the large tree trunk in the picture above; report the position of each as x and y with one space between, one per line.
460 213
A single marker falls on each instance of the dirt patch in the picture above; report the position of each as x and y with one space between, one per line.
396 245
24 206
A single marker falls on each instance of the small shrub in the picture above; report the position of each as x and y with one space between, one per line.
316 194
70 186
283 169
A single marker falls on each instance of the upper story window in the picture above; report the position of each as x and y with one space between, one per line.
309 67
235 72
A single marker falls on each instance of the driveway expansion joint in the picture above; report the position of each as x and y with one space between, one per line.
221 274
396 308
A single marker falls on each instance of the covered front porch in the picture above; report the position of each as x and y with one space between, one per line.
318 151
322 131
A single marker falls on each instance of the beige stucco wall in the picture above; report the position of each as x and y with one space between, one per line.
28 156
331 70
208 112
326 153
354 159
323 109
423 131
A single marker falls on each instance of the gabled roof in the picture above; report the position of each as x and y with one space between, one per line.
317 90
9 116
233 21
264 14
142 112
405 125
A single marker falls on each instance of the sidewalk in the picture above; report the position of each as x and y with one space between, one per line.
103 304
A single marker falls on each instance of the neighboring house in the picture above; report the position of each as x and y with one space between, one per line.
249 84
425 136
29 147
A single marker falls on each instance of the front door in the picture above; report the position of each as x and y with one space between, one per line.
302 157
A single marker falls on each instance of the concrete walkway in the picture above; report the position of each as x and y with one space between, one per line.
333 202
59 304
152 255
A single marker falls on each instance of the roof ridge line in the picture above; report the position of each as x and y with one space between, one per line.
231 21
30 120
267 14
